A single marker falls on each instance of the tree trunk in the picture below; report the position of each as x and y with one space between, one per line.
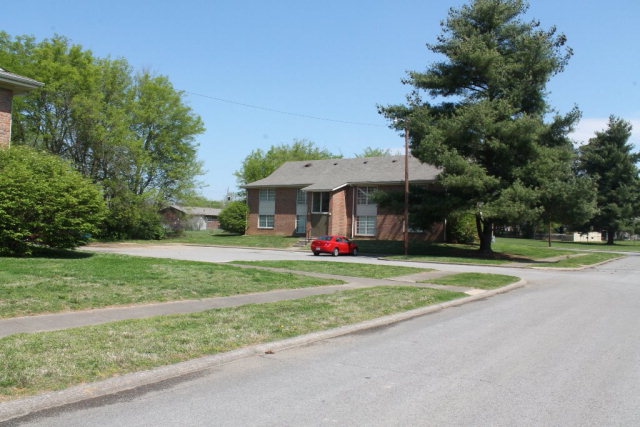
611 233
485 233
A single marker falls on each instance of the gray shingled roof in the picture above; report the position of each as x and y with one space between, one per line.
17 84
332 174
191 210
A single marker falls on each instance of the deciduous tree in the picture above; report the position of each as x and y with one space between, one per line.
374 152
260 164
130 132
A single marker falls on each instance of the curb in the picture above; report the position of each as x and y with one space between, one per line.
13 409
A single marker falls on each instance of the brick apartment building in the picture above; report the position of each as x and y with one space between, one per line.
11 85
335 196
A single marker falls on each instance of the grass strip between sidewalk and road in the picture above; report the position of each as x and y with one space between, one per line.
376 271
577 260
535 258
475 280
75 281
47 361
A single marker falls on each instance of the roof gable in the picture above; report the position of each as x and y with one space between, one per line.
332 174
192 210
17 84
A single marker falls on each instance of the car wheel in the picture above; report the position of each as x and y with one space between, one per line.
354 252
336 252
316 253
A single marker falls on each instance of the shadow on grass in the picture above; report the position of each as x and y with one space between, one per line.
439 250
39 252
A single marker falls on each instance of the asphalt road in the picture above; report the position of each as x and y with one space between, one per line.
562 351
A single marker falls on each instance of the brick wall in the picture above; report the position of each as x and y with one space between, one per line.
388 225
253 201
285 215
6 97
285 222
340 222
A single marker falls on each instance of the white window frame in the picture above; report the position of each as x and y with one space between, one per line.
366 225
365 195
301 197
301 224
320 197
267 208
266 222
268 195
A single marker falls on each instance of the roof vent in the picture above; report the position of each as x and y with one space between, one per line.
394 160
365 162
307 165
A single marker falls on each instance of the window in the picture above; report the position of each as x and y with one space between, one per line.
267 208
301 224
366 225
268 195
365 195
266 221
301 197
320 203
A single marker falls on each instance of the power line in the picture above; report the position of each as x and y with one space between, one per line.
288 113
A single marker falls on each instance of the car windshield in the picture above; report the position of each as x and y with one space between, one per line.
324 238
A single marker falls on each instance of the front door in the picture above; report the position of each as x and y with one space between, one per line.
319 224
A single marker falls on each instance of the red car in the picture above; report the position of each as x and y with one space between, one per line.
334 245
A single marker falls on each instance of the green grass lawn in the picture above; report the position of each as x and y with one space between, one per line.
219 238
506 249
34 363
475 280
82 281
522 252
376 271
67 280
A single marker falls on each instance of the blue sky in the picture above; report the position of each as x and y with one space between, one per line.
263 73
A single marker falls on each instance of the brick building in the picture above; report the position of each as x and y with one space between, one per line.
191 218
335 196
11 85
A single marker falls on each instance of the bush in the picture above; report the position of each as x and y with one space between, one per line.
461 228
132 217
233 218
45 202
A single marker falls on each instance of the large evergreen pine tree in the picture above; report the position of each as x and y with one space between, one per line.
608 159
486 125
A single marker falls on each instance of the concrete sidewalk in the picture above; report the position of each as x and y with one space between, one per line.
14 410
66 320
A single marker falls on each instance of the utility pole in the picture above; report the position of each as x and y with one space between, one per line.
406 189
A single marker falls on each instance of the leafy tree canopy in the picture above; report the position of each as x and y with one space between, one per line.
260 164
374 152
486 126
131 133
608 159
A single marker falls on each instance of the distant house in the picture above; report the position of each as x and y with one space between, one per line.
191 218
11 85
335 196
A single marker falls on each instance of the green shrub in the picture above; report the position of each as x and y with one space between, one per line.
233 218
461 228
45 202
132 217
